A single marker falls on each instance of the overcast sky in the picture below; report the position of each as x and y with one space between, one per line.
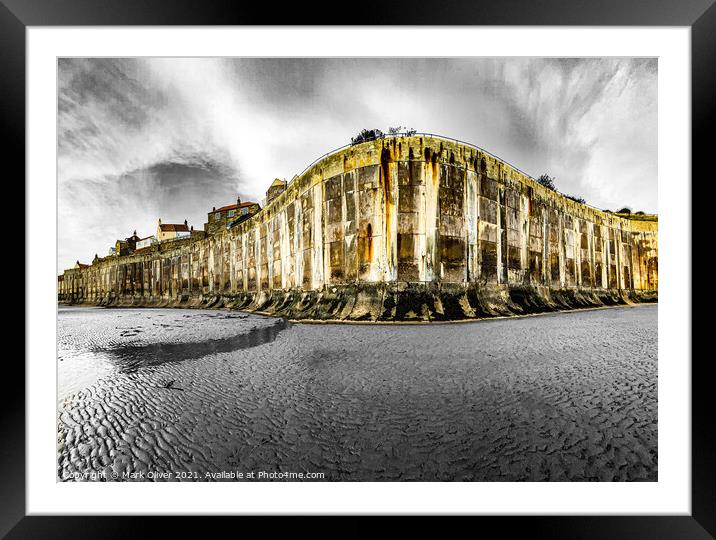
141 139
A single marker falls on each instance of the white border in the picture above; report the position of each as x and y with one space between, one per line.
670 495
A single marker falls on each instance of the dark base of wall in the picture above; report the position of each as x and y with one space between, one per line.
402 302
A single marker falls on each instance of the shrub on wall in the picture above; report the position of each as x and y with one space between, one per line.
547 181
367 135
375 133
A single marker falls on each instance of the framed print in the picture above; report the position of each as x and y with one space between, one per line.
429 264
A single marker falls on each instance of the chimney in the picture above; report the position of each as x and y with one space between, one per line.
135 232
213 209
185 223
160 221
192 228
238 201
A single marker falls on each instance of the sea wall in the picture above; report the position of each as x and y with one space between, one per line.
400 228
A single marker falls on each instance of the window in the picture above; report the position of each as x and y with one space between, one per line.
231 213
217 216
244 211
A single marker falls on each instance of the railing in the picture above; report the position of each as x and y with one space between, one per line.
410 134
435 136
323 157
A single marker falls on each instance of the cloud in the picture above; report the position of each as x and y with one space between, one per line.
594 126
95 213
153 137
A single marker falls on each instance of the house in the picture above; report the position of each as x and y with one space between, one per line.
149 241
80 266
126 246
121 248
172 231
220 218
275 189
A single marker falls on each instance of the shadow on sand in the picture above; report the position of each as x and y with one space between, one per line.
129 358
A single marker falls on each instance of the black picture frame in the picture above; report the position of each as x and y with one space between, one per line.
699 15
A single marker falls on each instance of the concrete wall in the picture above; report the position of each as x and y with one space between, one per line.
414 213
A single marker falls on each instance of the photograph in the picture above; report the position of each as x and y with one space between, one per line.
357 269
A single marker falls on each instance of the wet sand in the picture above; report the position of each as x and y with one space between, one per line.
558 397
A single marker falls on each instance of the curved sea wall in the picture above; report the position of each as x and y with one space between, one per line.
397 229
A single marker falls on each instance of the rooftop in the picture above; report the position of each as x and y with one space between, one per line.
278 182
176 227
234 206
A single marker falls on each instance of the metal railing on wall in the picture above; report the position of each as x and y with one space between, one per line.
410 134
434 136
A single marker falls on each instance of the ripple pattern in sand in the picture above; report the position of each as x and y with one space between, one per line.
568 396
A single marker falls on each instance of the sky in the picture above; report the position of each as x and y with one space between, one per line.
147 138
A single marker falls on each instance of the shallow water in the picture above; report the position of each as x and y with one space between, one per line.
167 392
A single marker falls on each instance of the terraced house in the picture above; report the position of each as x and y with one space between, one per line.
219 218
172 231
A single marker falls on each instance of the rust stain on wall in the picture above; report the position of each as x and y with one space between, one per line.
389 203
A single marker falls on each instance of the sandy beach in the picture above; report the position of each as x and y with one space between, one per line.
169 394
